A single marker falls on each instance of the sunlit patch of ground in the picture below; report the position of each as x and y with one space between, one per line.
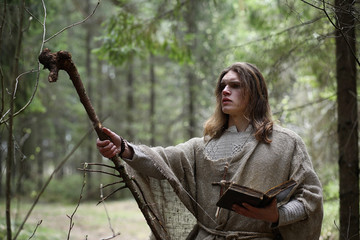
90 221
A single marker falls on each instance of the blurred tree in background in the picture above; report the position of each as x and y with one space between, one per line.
150 68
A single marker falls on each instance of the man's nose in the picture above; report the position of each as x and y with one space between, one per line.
226 91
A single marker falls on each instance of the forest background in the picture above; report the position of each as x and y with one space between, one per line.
150 69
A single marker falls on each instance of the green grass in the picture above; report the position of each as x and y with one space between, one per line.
329 230
90 221
331 211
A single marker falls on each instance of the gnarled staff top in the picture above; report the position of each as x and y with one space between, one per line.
61 60
57 61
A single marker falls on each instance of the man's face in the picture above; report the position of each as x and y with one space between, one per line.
233 98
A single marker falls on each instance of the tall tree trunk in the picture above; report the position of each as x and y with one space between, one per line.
9 161
1 167
190 19
130 105
191 81
347 120
10 156
2 24
2 104
152 100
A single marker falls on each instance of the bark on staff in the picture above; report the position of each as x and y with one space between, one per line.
62 61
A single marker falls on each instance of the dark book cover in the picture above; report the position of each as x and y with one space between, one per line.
237 194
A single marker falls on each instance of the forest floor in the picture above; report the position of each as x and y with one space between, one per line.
90 221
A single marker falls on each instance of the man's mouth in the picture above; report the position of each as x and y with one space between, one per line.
226 100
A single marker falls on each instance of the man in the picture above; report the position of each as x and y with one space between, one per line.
241 144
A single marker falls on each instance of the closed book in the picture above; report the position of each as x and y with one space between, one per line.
237 194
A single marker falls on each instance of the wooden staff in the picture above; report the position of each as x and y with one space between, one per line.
62 61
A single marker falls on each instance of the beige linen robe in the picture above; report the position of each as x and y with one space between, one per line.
260 166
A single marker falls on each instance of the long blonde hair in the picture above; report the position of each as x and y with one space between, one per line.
258 109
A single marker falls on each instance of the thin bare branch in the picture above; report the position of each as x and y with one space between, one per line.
37 225
305 105
44 29
314 6
41 49
111 184
31 71
347 234
14 96
337 27
74 24
152 212
112 193
98 171
49 180
342 34
33 16
28 103
10 142
107 214
101 164
71 223
274 34
111 237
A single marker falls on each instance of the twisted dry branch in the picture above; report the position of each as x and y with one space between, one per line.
116 190
98 171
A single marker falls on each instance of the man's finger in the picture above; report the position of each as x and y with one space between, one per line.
104 143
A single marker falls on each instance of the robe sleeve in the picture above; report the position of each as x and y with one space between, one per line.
291 212
309 193
164 163
142 163
170 190
175 164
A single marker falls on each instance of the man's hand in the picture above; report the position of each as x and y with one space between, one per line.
109 148
269 213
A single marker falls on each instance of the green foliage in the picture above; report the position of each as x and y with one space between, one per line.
65 190
331 210
138 32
